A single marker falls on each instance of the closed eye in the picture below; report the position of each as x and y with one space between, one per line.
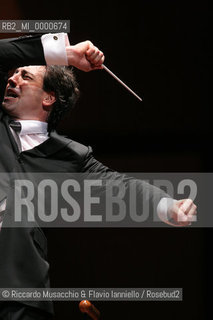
25 75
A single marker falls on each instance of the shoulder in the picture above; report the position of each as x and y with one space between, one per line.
70 147
79 149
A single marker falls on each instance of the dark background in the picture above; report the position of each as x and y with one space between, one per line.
162 51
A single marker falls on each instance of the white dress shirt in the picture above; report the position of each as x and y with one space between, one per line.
32 133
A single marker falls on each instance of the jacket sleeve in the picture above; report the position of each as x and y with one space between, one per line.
148 195
21 51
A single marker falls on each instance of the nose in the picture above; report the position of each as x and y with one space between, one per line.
13 80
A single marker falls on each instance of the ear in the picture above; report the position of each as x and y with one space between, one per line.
48 100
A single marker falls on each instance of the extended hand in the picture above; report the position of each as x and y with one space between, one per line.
85 56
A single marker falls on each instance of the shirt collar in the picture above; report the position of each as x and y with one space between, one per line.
33 127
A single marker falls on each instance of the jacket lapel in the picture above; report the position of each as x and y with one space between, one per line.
50 146
6 119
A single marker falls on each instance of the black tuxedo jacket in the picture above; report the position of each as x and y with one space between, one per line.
23 251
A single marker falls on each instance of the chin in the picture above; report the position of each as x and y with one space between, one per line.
9 109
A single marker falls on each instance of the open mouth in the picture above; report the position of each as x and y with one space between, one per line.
11 94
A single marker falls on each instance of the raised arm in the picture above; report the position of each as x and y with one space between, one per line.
48 49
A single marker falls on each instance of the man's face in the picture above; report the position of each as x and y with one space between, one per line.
24 95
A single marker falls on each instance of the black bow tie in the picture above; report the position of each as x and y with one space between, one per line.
16 126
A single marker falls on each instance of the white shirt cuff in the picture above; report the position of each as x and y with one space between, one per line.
2 205
163 211
54 48
2 208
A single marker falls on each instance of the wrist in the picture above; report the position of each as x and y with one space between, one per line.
70 55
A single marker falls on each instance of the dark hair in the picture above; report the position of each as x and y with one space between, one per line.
62 82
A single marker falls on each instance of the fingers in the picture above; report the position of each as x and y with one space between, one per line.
85 56
184 212
94 56
189 209
178 216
